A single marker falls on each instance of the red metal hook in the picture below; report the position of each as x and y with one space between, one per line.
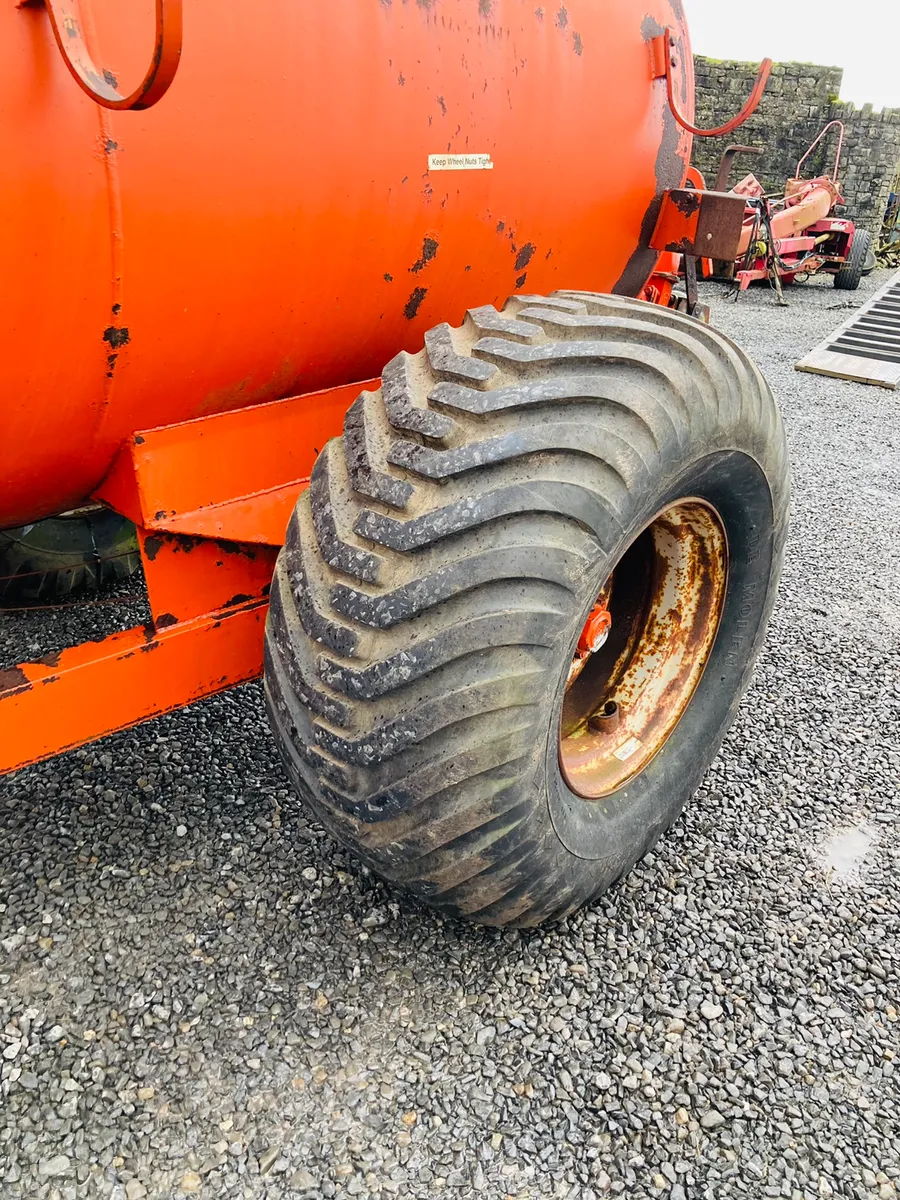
101 85
662 50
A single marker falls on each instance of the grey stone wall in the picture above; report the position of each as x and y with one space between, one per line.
799 100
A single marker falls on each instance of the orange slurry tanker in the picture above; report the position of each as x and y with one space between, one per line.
362 313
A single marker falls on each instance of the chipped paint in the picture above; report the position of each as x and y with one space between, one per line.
524 256
116 337
414 302
13 681
430 248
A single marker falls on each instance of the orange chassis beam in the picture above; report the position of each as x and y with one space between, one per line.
211 499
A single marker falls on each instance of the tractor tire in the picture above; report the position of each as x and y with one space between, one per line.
62 556
440 574
850 274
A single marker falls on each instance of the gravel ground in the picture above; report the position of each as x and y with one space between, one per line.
200 995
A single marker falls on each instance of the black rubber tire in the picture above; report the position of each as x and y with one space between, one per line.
871 260
62 556
437 574
850 274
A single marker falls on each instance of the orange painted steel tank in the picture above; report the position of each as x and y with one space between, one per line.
320 184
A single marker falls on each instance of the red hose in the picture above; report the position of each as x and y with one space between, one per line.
749 108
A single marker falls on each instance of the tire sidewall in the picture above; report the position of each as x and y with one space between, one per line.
617 830
850 275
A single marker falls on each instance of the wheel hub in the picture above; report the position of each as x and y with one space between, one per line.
643 648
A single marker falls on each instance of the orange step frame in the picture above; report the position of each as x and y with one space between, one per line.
211 499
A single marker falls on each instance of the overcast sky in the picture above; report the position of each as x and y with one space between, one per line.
862 36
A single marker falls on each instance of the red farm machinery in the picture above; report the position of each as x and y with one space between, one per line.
797 233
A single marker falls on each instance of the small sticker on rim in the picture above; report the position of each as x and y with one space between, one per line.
626 750
460 162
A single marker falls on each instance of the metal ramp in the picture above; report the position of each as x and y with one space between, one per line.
866 348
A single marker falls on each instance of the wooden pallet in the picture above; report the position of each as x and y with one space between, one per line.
866 348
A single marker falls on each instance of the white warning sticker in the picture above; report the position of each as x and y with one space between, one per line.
628 748
460 162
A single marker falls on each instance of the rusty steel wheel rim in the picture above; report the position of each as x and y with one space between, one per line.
643 649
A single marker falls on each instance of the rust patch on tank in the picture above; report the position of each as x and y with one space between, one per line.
669 170
525 255
430 247
164 620
50 660
562 18
578 43
414 303
152 547
116 337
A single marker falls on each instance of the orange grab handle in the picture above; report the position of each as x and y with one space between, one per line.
665 56
101 85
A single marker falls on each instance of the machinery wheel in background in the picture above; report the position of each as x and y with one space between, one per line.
848 277
444 687
59 556
871 260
